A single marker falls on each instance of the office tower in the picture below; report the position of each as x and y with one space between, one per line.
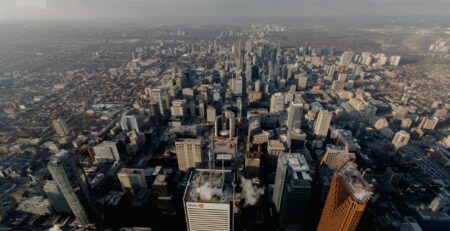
189 153
252 164
292 190
401 112
154 112
178 108
161 96
294 121
128 123
346 57
277 103
106 152
210 114
209 200
401 139
72 183
239 107
56 198
202 110
335 156
238 86
248 72
322 123
428 123
257 86
394 60
132 179
380 123
295 135
302 81
61 127
347 198
231 119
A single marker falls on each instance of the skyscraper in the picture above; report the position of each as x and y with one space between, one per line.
70 180
401 139
208 200
347 198
61 127
322 123
277 103
106 152
128 123
292 189
346 57
295 116
56 198
210 114
189 153
132 179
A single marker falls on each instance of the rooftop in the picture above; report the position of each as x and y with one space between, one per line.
360 190
212 186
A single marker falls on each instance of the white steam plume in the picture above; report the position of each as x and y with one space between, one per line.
250 192
206 192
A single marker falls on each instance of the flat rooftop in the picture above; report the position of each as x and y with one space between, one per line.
211 186
358 187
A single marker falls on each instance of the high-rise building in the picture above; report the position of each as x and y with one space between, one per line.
106 152
277 103
347 198
292 189
61 127
401 139
394 60
346 57
178 108
428 123
161 95
322 123
210 114
302 81
294 121
132 179
56 198
129 123
238 86
73 185
209 200
189 153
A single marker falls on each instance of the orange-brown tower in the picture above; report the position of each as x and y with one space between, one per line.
346 200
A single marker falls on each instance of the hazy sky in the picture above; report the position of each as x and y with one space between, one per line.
19 10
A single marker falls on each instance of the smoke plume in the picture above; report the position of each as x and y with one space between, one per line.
251 192
206 192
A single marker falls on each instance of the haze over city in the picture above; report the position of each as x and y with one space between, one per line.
238 115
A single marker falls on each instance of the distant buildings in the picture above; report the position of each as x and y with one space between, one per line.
61 127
